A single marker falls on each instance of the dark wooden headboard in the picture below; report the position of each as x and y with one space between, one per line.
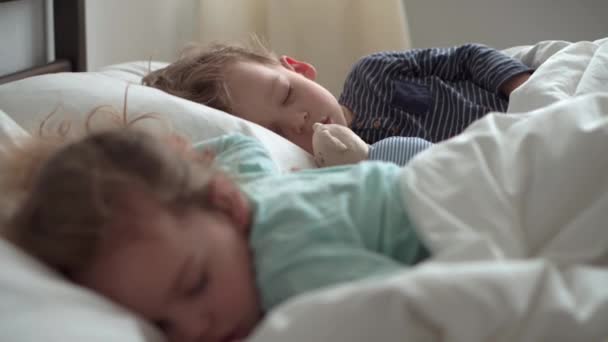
69 41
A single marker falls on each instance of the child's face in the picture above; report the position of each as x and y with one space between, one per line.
284 98
189 272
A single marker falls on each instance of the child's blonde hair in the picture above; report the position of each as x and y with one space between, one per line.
199 74
76 189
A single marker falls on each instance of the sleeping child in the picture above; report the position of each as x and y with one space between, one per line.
431 94
204 248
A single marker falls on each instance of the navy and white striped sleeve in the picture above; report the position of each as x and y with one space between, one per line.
398 150
487 67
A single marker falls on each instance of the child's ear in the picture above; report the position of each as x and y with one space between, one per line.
305 69
225 196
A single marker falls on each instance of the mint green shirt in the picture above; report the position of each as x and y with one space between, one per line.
319 227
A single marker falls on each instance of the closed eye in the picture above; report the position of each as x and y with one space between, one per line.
276 129
198 287
288 97
163 325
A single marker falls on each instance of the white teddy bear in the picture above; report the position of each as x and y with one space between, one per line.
335 144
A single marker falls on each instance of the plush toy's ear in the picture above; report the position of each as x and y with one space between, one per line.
340 146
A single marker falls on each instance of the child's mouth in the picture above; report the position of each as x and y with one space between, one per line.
326 120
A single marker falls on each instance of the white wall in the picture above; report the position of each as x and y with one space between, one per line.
22 34
120 31
504 23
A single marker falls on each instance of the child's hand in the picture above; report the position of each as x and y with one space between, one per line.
513 83
207 156
183 147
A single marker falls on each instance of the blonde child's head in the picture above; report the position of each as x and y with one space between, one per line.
251 82
160 232
75 190
199 74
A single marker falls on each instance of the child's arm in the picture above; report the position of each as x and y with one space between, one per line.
239 154
398 150
312 269
513 83
487 67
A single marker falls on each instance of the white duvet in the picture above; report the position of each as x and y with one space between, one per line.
515 211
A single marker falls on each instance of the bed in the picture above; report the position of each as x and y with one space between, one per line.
68 42
544 278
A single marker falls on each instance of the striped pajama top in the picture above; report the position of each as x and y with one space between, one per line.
431 94
398 150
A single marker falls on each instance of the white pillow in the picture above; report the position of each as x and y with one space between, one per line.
10 135
74 95
10 132
36 304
